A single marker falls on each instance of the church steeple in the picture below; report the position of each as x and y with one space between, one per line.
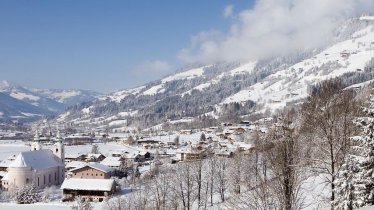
59 147
35 145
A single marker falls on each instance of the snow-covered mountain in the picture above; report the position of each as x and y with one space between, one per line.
28 104
235 88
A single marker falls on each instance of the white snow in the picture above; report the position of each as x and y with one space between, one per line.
291 84
22 96
246 68
65 94
86 110
118 122
36 206
119 95
38 159
367 18
154 90
126 114
88 184
190 74
63 116
30 114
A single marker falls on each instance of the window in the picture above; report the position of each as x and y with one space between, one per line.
96 174
101 174
56 150
27 180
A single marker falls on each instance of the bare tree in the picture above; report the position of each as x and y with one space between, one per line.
327 122
285 161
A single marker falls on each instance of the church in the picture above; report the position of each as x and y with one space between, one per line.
40 167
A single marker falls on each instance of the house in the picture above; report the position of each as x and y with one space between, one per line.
224 153
5 164
40 167
88 189
116 163
74 157
185 132
92 171
94 157
73 165
143 156
79 139
190 154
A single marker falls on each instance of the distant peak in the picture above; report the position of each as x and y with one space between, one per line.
5 85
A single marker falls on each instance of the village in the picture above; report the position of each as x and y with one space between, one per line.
91 167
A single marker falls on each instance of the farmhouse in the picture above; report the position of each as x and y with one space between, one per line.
92 171
88 189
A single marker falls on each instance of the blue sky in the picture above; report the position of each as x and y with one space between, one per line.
102 45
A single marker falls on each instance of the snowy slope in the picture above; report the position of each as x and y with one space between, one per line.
292 83
211 89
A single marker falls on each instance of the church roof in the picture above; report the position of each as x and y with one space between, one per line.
36 159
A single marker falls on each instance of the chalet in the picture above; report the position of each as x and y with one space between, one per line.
144 155
88 189
92 171
5 164
190 153
224 153
116 163
73 165
94 157
243 147
147 141
79 139
245 123
74 157
185 132
239 131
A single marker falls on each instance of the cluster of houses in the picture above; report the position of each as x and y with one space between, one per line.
91 176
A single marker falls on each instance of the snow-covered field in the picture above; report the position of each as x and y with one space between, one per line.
11 147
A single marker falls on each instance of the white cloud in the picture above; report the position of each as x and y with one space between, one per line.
228 11
274 27
153 68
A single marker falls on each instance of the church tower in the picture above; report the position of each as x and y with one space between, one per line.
59 149
35 145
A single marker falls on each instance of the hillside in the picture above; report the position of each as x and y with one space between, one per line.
230 90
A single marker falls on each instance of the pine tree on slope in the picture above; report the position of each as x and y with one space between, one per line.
355 181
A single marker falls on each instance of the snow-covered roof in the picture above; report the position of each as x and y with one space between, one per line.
5 177
3 173
94 155
112 161
75 164
73 155
5 163
36 159
97 166
88 184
